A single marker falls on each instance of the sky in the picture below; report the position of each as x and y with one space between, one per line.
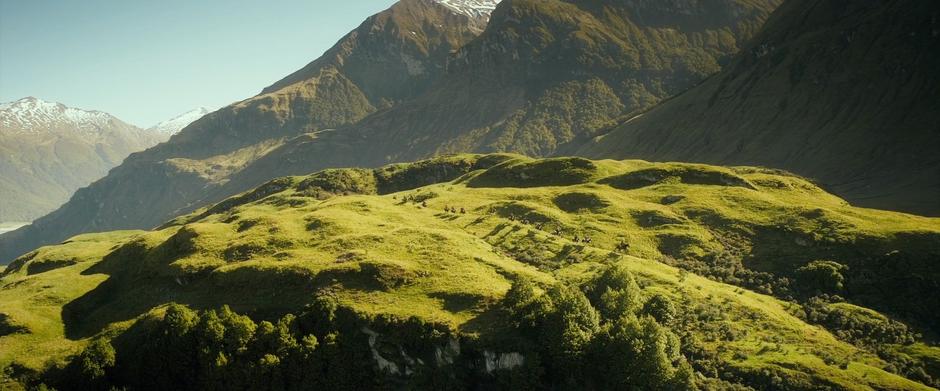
147 61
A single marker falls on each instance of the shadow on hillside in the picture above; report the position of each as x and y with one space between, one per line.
141 279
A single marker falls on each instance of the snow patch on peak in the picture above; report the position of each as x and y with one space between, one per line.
32 115
470 8
175 124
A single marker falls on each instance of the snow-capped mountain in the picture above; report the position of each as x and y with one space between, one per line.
31 115
471 8
175 124
48 150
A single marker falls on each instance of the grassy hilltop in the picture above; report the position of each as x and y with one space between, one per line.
490 271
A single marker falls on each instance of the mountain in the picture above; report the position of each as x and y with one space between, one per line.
390 57
48 150
175 124
489 272
846 93
419 79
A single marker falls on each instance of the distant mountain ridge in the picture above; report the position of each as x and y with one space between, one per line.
175 124
48 150
471 8
416 80
33 115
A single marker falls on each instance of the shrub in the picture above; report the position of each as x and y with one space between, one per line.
822 276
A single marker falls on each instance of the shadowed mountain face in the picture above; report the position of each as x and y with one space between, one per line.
417 80
844 92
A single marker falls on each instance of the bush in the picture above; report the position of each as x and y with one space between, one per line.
660 308
822 276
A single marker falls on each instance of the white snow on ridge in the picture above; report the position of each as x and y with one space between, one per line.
174 125
31 115
471 8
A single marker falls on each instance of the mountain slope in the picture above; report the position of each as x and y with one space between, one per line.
390 57
547 74
391 90
844 92
433 273
48 150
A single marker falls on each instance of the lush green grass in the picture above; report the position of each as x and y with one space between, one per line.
403 251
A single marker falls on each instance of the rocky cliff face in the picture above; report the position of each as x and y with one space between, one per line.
844 92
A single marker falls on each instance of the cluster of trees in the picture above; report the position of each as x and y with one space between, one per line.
221 350
607 333
603 335
606 336
856 325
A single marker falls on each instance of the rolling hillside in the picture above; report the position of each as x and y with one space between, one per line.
489 271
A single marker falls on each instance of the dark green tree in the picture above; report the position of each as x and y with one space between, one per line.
616 293
822 276
639 354
660 308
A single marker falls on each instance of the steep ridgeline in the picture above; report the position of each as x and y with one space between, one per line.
392 56
49 150
489 272
174 125
846 93
543 76
548 74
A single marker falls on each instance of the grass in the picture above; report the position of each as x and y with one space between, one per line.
274 251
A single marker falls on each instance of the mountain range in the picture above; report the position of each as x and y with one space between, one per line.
420 79
49 150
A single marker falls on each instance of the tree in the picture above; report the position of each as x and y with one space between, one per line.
96 359
522 301
660 308
822 276
637 353
616 293
572 321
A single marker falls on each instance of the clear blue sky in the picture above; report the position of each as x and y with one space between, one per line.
145 61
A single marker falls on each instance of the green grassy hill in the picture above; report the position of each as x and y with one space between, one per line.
490 271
